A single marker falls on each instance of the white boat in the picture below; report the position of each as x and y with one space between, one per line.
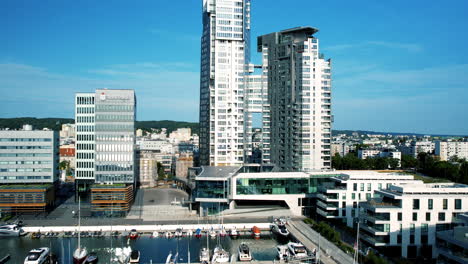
297 250
223 232
205 255
244 252
169 258
190 232
279 227
212 233
282 252
122 255
135 256
37 256
169 234
80 254
233 232
220 255
155 234
10 230
172 259
178 232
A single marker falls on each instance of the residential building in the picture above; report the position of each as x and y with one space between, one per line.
341 148
28 170
447 149
299 95
67 153
452 245
225 52
181 134
384 153
422 146
157 146
67 131
368 153
339 198
404 219
148 168
105 140
182 163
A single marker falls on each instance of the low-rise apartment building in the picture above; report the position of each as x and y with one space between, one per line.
404 219
339 197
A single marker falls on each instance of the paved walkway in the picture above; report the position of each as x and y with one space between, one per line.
329 253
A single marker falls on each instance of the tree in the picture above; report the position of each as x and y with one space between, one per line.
408 162
161 174
393 163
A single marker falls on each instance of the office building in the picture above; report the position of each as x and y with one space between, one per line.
339 198
448 149
105 139
28 170
224 56
404 219
148 168
299 95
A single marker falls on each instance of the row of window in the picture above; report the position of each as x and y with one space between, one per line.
114 118
86 100
25 178
25 139
85 110
116 108
25 154
440 217
114 167
25 147
24 162
26 170
430 204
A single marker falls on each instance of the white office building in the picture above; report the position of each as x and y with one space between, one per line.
404 219
340 197
224 56
447 149
28 156
299 95
105 137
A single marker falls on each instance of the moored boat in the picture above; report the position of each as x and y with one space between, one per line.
282 252
297 250
135 256
37 256
220 255
233 232
256 232
204 256
80 255
133 234
244 252
92 258
198 233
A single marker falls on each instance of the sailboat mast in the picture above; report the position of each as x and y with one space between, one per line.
79 222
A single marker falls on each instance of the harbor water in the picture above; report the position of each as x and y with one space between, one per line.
153 250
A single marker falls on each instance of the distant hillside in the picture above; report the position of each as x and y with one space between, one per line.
38 123
56 123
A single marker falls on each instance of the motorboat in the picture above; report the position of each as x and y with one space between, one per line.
92 258
178 232
212 233
220 255
133 234
233 232
10 230
279 228
36 235
297 250
222 232
135 256
169 258
190 232
169 234
244 252
256 232
37 256
282 252
115 233
122 255
155 234
198 233
205 255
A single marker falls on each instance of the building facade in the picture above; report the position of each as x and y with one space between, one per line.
148 168
224 56
29 156
447 149
299 95
340 197
404 219
452 245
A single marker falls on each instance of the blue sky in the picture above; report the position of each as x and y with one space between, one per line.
397 65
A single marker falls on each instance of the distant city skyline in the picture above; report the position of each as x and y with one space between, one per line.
396 66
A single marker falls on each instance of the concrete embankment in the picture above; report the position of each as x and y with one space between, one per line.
147 228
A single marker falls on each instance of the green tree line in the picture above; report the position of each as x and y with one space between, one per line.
351 162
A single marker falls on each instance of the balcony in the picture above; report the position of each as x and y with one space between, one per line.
374 240
327 206
375 230
377 218
329 215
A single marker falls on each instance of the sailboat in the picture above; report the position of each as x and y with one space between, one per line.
80 254
205 253
219 254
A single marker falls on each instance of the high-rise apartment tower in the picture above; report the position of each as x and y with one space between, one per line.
224 58
299 96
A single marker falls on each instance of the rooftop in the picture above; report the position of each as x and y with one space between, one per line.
307 30
218 172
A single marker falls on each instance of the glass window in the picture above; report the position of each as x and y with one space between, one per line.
428 216
380 186
441 216
412 227
354 186
415 216
415 204
458 204
362 187
369 187
400 216
353 196
430 204
445 204
424 228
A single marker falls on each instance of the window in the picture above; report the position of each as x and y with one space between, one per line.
430 204
354 186
380 186
362 187
353 196
400 216
415 204
428 216
368 196
368 187
424 228
442 216
412 227
458 204
445 204
386 227
415 216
